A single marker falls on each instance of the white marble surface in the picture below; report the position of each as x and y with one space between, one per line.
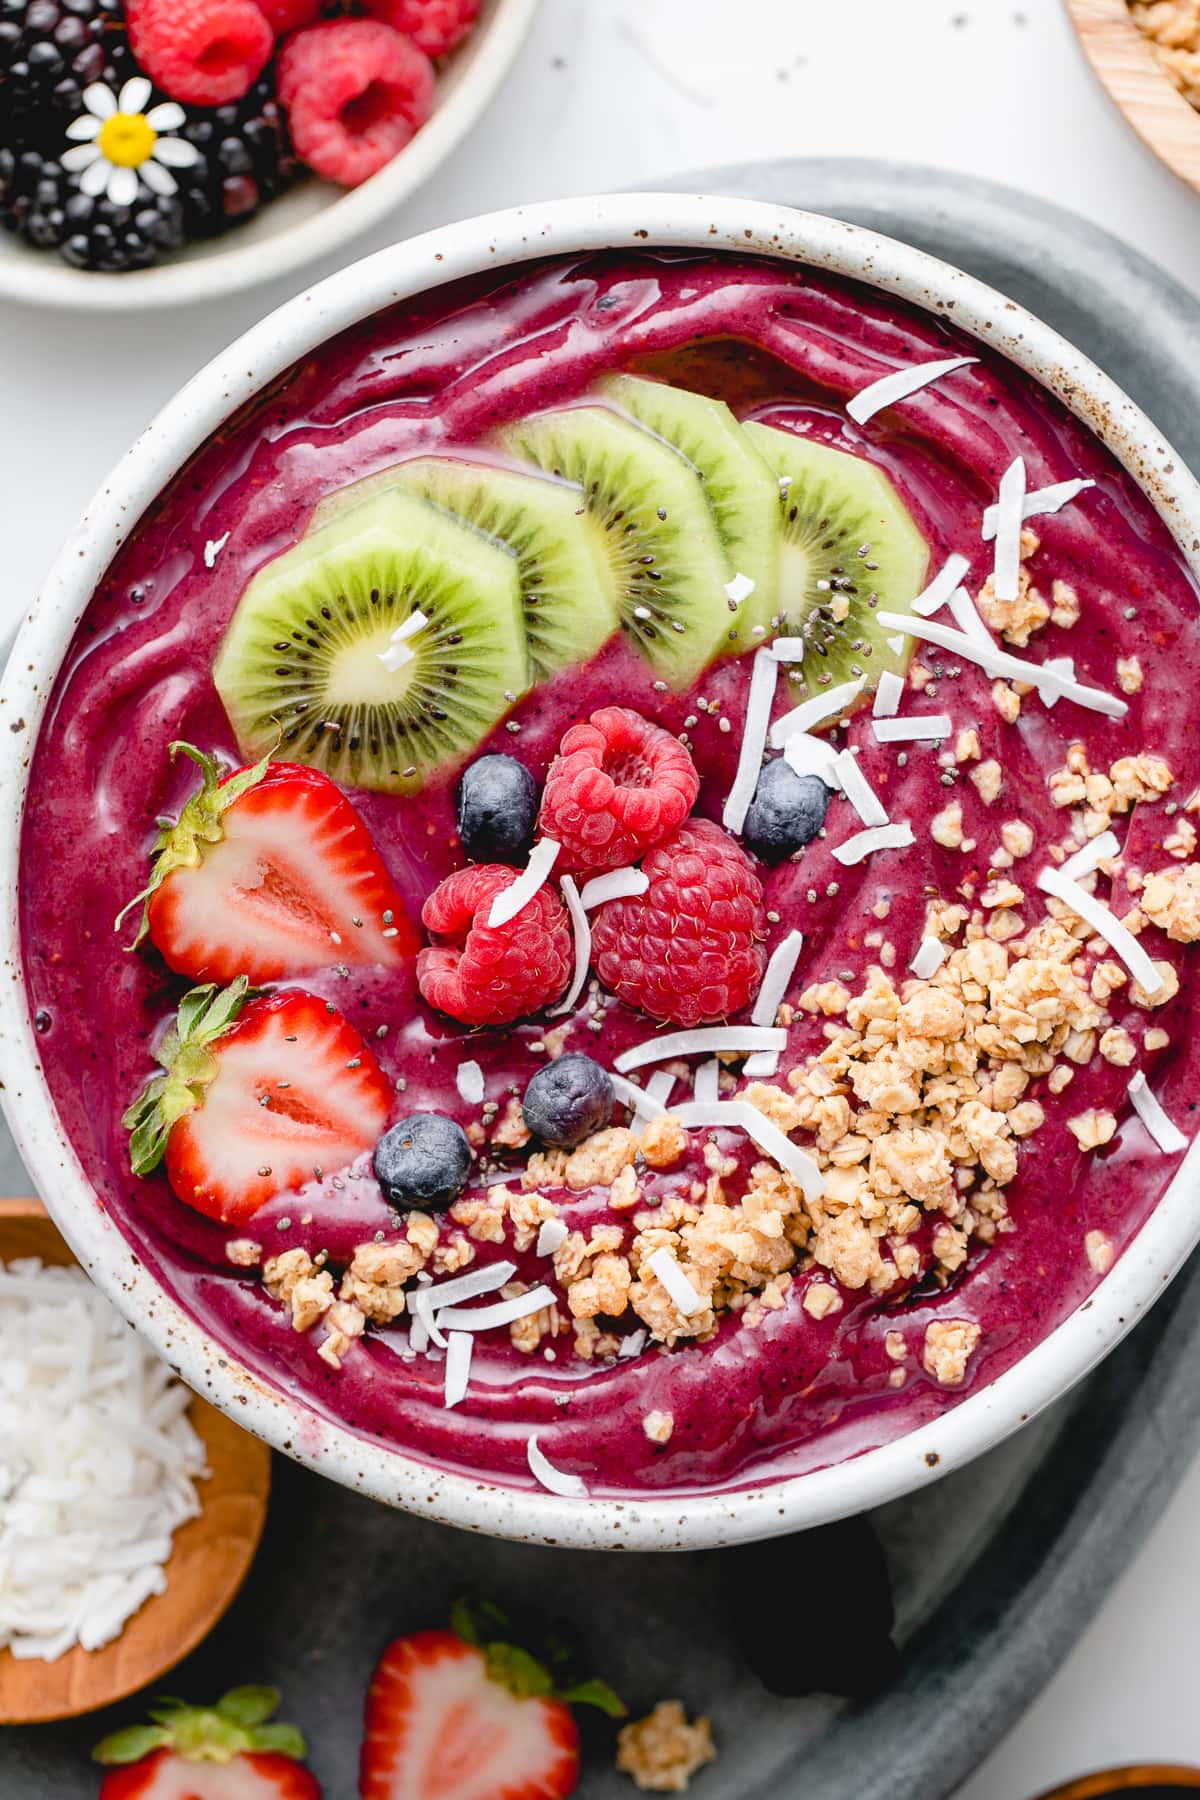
616 92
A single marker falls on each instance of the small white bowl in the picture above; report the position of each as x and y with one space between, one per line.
309 221
637 222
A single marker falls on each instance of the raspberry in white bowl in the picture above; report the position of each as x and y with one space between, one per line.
685 982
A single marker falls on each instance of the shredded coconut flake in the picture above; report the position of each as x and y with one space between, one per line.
858 790
98 1464
1165 1133
935 596
683 1295
503 1312
484 1280
534 875
614 884
706 1083
931 954
469 1081
213 549
994 661
876 837
754 738
888 696
965 614
702 1040
1087 861
1010 510
741 1116
583 944
740 588
811 713
555 1481
460 1346
1037 502
917 728
812 756
901 386
398 651
1110 928
777 975
640 1101
552 1236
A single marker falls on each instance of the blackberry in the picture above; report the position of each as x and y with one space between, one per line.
247 159
43 203
50 50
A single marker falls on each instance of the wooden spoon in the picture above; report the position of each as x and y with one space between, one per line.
1159 1778
210 1554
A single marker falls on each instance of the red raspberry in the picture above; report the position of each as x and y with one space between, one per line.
490 975
355 92
288 15
691 948
204 52
435 26
617 787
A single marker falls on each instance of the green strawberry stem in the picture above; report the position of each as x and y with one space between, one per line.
204 1015
181 846
516 1670
236 1725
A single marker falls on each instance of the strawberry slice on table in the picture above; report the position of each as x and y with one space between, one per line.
269 873
224 1752
259 1094
452 1717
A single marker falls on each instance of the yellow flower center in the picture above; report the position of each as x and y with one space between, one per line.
127 140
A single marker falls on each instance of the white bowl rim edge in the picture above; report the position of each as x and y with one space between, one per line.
633 222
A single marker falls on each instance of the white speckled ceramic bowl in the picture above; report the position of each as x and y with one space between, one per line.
312 220
691 1520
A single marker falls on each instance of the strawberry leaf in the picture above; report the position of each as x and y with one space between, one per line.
181 845
248 1706
513 1668
131 1744
205 1015
285 1740
594 1693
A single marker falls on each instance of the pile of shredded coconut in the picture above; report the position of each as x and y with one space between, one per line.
98 1464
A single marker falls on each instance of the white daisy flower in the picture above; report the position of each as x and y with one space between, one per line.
116 142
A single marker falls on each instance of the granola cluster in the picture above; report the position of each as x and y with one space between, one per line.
662 1751
1173 30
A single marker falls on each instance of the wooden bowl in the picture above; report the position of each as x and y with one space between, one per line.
210 1554
1161 1777
1124 62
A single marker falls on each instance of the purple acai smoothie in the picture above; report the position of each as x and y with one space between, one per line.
980 1160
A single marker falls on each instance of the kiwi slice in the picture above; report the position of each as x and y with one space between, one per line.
850 547
567 587
300 666
741 491
668 561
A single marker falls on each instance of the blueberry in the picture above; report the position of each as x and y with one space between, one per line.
568 1100
423 1162
787 811
497 810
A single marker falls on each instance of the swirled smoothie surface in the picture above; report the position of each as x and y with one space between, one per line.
788 1378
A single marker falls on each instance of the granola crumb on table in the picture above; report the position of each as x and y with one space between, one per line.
663 1751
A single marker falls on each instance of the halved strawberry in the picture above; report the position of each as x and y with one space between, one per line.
221 1752
269 873
260 1094
452 1718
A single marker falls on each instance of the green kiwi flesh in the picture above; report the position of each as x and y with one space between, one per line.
567 587
668 560
741 491
850 548
299 666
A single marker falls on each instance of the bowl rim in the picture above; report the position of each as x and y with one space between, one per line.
1121 58
501 240
38 278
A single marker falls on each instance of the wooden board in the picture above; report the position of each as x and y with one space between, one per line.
1124 61
210 1557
